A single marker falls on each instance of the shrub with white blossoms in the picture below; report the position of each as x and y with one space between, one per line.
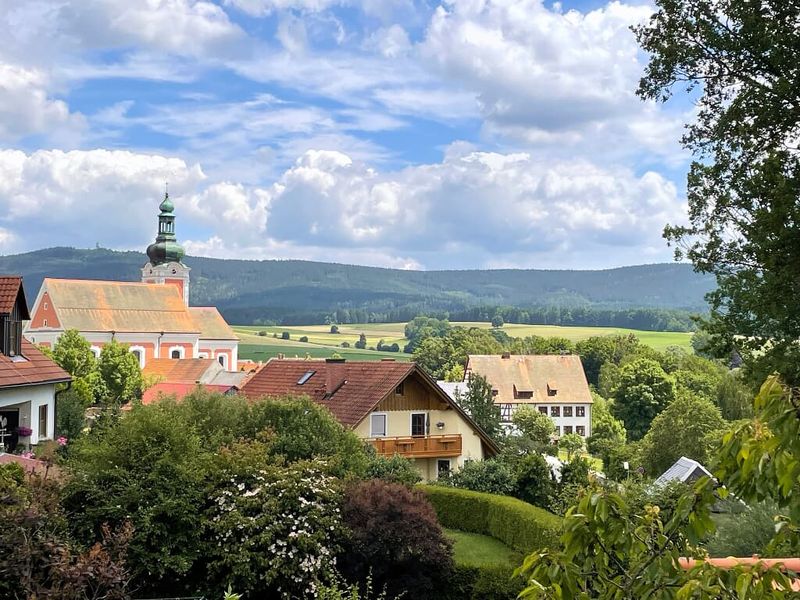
276 530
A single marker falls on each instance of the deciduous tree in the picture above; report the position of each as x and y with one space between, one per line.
643 390
478 401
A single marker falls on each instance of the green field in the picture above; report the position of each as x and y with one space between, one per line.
322 343
479 550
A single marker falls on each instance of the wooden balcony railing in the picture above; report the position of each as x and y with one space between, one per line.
419 446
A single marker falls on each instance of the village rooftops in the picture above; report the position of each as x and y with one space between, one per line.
30 368
533 379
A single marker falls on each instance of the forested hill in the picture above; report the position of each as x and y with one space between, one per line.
292 291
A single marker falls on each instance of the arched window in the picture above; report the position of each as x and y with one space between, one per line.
138 352
96 351
176 352
223 360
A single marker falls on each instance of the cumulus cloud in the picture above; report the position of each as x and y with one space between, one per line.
471 209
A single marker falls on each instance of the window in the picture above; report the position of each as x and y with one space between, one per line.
543 410
306 376
12 337
175 354
580 430
505 412
567 429
138 355
44 323
400 389
418 424
580 411
551 391
558 430
377 425
45 305
95 350
443 467
223 360
555 411
43 421
567 411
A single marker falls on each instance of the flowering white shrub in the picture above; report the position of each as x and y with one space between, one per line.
275 530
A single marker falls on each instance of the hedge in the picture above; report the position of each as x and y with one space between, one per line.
471 582
517 524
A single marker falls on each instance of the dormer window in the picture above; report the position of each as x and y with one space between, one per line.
12 337
306 376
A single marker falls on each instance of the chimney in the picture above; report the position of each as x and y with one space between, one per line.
335 372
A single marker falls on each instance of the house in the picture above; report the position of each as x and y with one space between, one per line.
684 470
180 377
27 377
394 406
152 316
554 385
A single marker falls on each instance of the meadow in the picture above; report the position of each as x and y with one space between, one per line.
322 343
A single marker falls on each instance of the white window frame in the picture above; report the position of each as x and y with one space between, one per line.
449 463
142 354
426 426
202 355
224 363
181 350
96 350
385 416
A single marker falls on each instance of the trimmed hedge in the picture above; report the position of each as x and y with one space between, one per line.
470 582
517 524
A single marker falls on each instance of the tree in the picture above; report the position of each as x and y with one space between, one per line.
120 373
597 350
73 354
478 401
536 344
738 58
734 397
395 536
361 344
285 335
497 321
689 427
534 425
535 483
455 373
608 433
334 328
643 390
571 443
71 415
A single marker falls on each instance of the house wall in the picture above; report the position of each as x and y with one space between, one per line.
28 399
215 348
45 312
559 422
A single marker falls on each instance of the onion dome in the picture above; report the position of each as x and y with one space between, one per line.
166 247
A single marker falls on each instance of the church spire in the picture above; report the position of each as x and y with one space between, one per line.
166 248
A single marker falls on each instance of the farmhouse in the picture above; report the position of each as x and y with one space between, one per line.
153 317
27 377
555 385
395 406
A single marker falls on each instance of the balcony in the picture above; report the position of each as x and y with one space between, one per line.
428 446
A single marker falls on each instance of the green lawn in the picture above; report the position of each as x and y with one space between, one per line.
323 343
476 549
594 462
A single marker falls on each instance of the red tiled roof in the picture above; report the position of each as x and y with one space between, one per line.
9 289
178 370
348 389
179 390
36 368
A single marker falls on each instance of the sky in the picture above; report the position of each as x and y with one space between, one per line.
399 133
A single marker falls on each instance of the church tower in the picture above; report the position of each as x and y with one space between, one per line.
165 254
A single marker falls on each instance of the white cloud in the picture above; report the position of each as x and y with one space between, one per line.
262 8
26 109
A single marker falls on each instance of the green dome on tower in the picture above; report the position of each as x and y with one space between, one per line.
166 247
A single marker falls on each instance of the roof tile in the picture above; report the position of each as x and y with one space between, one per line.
35 368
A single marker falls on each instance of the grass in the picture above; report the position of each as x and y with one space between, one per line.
595 463
480 550
322 343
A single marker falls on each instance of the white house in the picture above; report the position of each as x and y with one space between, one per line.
554 385
27 377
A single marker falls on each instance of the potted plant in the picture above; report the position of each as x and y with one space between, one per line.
24 432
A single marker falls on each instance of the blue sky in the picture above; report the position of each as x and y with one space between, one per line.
474 133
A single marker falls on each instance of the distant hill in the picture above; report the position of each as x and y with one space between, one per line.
294 292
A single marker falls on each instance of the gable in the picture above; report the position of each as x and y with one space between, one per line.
45 314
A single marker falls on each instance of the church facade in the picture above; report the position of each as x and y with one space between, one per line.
152 317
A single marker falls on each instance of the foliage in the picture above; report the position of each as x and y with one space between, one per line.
285 335
303 338
361 344
734 397
478 401
534 425
70 415
642 392
536 344
483 582
497 321
491 475
37 558
455 373
535 483
422 327
394 536
396 469
73 354
571 443
608 433
517 524
746 532
440 354
689 427
609 552
120 372
273 531
339 589
334 328
758 460
598 350
737 58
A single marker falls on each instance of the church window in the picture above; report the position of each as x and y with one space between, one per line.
175 354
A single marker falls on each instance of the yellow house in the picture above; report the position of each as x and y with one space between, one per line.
394 406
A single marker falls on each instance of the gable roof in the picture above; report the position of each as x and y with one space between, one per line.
32 368
210 324
10 291
682 470
350 390
181 370
119 306
533 373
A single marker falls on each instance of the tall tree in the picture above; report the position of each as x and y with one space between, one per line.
740 58
478 401
643 390
120 372
73 353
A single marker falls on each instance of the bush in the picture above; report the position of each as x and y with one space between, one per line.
396 469
262 333
345 344
535 483
71 415
490 476
304 338
285 335
395 537
517 524
484 582
334 329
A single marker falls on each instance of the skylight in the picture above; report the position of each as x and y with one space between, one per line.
306 376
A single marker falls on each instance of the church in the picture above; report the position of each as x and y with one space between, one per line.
152 317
